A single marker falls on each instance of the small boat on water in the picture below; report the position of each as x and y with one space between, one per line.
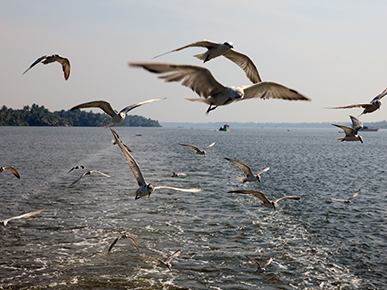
225 128
366 128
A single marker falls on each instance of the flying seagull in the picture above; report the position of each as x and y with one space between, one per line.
247 171
89 173
145 189
107 108
265 201
259 268
349 199
226 49
124 237
45 59
351 132
198 151
166 263
76 167
26 215
177 174
213 93
10 168
368 107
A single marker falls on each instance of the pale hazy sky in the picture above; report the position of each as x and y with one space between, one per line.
334 52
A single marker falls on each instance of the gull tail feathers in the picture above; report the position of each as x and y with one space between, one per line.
241 178
201 56
340 138
197 100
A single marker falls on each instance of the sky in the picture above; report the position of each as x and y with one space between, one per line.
333 52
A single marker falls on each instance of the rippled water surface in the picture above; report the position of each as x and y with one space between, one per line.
315 243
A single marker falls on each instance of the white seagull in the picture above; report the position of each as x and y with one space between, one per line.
265 201
10 168
107 108
26 215
351 132
247 171
89 173
259 268
124 237
166 263
177 174
145 189
213 93
226 49
368 107
199 151
349 199
45 59
76 167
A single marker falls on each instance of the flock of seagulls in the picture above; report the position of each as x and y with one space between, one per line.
200 80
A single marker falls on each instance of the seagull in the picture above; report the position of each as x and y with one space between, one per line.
26 215
76 167
107 108
225 49
368 107
166 263
124 237
45 59
145 189
265 201
259 268
213 93
247 170
89 173
349 199
351 132
10 168
177 174
198 151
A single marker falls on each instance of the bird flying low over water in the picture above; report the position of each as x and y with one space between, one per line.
166 263
225 49
259 268
368 107
145 189
247 171
107 108
213 93
46 59
349 199
26 215
89 173
10 168
199 151
265 201
351 132
124 237
76 167
177 174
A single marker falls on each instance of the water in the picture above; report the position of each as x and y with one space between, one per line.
315 243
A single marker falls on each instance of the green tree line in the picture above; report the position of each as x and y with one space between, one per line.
40 116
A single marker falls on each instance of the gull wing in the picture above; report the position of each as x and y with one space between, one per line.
130 160
380 96
65 66
202 43
287 197
209 146
245 168
95 171
356 124
244 62
104 105
268 263
170 258
360 105
180 189
153 259
122 237
192 146
35 63
344 200
258 194
271 90
197 78
254 261
87 172
26 215
13 170
131 107
262 171
347 130
356 194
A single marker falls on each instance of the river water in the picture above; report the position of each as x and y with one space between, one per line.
315 242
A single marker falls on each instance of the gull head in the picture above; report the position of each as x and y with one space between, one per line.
150 188
229 44
259 178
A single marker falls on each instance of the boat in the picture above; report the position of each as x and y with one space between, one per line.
366 128
225 127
